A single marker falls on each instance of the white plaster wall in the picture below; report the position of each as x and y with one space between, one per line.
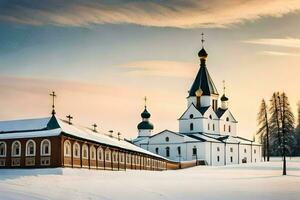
184 125
205 101
144 132
233 154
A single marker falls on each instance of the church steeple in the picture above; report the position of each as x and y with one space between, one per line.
145 127
224 99
203 80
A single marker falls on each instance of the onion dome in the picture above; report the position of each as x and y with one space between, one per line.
145 114
224 98
202 54
145 125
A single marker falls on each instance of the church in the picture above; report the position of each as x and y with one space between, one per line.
207 132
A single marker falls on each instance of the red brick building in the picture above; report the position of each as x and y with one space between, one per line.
51 142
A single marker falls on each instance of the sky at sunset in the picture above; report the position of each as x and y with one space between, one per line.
103 57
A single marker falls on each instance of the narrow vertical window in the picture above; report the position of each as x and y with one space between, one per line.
191 126
168 151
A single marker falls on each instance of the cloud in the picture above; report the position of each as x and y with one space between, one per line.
283 42
175 13
160 68
278 53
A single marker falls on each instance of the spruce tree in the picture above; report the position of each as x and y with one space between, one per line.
263 131
274 124
287 122
297 134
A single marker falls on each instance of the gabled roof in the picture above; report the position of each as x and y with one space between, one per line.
166 130
51 126
220 112
204 82
191 105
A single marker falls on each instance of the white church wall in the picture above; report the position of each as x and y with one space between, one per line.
218 150
231 154
184 125
144 132
200 153
191 100
205 101
245 153
256 153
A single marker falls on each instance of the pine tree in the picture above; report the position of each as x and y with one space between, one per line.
297 134
263 131
274 124
287 121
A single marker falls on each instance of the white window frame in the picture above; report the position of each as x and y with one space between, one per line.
20 150
76 145
100 154
85 147
5 149
93 149
34 148
42 148
67 142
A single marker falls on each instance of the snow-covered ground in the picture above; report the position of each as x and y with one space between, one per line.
239 182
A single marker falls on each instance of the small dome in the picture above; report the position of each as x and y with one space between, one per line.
145 114
224 98
145 125
202 53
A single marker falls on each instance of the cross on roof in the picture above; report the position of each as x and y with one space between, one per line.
224 87
202 40
145 100
119 134
95 127
53 95
69 118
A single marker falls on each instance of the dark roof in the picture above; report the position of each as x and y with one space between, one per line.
224 98
196 137
145 125
202 110
145 114
202 53
220 112
204 82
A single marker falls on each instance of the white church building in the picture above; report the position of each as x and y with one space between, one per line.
207 132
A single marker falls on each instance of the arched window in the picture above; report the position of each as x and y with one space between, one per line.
227 119
231 149
67 148
213 127
107 155
218 158
218 148
16 149
208 126
100 154
191 126
167 139
210 117
2 149
30 148
85 151
254 151
191 116
93 153
167 151
156 150
76 150
224 127
114 156
45 148
229 128
231 159
245 150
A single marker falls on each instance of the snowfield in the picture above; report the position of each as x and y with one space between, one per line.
237 182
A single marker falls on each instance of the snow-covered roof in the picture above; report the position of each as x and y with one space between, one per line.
24 125
40 128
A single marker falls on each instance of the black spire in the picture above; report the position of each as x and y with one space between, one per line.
53 95
203 80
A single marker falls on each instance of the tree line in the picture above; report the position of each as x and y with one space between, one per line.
277 131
